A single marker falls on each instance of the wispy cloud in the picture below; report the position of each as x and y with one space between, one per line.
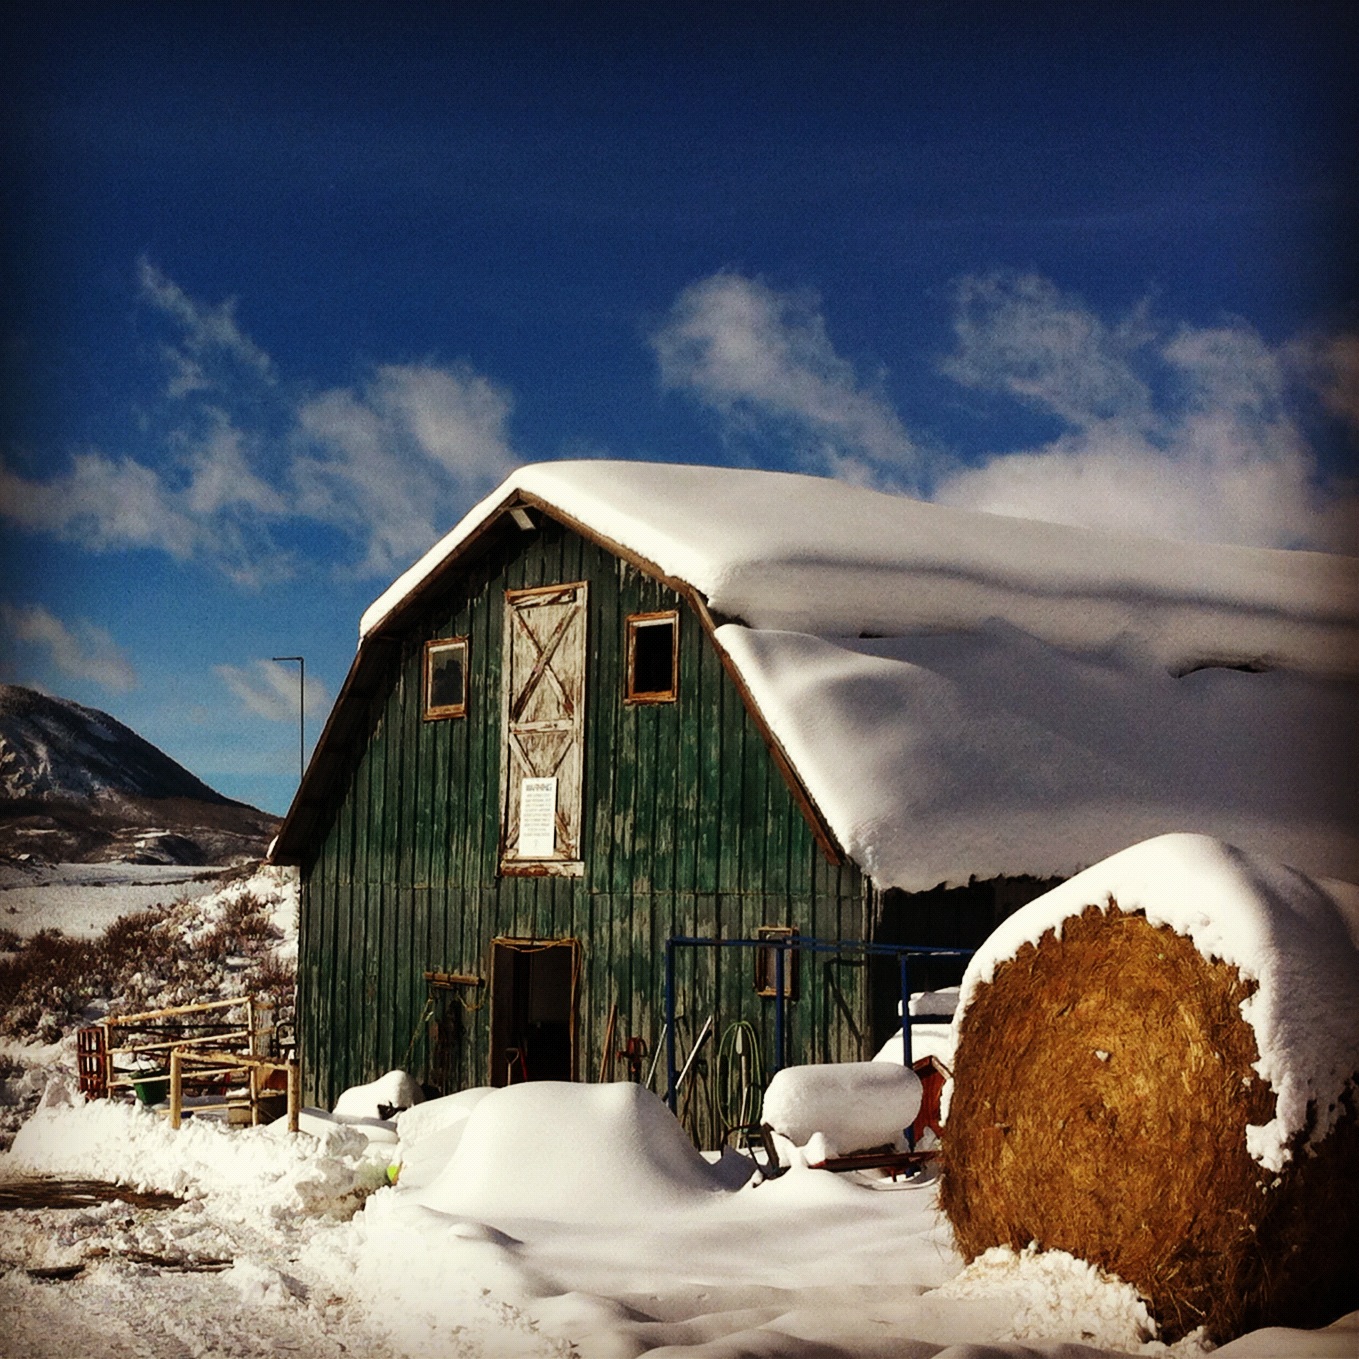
81 650
1191 432
234 458
392 459
270 690
760 357
1021 337
205 335
1180 431
103 503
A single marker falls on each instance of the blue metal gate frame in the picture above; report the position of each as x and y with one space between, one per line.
902 952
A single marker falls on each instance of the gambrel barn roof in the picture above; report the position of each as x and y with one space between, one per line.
957 694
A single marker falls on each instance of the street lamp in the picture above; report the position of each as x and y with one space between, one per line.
301 713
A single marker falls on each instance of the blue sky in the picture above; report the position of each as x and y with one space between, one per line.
285 293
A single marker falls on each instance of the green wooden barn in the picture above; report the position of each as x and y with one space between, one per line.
623 703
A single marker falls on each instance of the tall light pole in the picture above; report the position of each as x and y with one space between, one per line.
301 713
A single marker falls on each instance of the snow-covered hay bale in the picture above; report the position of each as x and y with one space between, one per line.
1156 1071
853 1105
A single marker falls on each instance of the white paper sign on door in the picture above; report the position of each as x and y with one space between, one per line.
537 818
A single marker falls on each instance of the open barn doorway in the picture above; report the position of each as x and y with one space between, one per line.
533 1009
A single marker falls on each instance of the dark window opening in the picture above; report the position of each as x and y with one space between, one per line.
653 658
446 678
533 998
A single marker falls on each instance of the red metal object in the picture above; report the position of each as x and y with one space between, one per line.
634 1054
933 1075
92 1048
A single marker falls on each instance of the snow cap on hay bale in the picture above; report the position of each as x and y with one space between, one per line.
1156 1071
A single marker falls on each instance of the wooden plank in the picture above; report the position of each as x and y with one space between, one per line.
689 715
709 746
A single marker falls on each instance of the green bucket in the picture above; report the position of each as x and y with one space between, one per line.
152 1090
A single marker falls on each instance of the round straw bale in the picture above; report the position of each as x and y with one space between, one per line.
1103 1085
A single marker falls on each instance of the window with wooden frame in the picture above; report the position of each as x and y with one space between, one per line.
652 658
446 678
766 962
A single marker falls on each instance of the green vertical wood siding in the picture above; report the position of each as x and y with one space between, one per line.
688 828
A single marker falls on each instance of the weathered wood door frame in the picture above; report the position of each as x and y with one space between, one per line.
542 702
529 1010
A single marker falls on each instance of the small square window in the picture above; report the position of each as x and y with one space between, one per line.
446 678
652 657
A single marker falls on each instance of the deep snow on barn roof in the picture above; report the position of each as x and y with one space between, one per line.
964 694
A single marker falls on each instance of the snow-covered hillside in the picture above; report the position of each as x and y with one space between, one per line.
78 785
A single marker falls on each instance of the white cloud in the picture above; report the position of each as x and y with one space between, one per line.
757 356
1022 337
233 457
270 689
82 651
1195 432
205 333
102 503
220 475
412 448
1330 365
1218 454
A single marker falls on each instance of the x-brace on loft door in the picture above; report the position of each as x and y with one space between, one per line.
544 729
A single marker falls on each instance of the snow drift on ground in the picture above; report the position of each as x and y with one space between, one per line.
250 1172
59 896
1271 922
972 695
810 1264
537 1220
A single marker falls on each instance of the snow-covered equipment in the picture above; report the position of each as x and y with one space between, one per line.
1156 1070
382 1098
852 1105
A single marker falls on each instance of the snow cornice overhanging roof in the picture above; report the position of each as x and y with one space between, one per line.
795 553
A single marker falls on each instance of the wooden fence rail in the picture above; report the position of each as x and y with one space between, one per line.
224 1054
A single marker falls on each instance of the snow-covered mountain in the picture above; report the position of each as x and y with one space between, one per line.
78 785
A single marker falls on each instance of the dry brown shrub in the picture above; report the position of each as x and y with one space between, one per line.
1103 1083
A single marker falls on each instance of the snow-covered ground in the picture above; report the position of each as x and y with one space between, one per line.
85 899
538 1220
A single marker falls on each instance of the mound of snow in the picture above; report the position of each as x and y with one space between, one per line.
319 1123
1054 1296
852 1105
380 1098
259 1174
549 1149
430 1132
1274 924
